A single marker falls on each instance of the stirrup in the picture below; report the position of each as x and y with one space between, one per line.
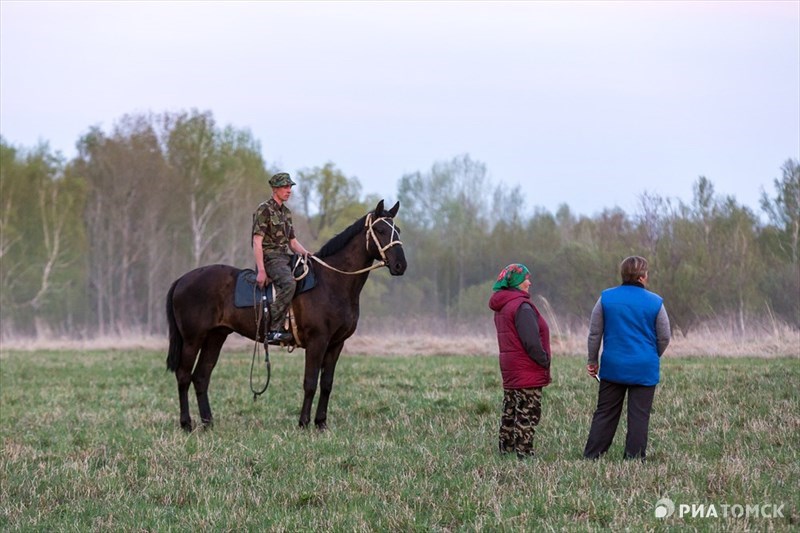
279 337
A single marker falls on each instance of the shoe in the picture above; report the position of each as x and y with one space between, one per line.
278 337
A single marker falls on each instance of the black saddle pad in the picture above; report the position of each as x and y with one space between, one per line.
247 293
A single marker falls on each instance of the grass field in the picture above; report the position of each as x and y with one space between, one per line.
90 441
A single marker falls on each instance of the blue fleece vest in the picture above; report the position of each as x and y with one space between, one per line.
630 349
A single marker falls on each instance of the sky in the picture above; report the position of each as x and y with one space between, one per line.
589 104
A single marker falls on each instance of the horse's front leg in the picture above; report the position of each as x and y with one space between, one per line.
326 384
314 353
309 390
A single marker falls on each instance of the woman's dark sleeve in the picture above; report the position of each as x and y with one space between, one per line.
528 330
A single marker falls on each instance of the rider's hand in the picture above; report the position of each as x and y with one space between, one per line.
592 370
261 278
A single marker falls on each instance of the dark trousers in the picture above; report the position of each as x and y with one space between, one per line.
606 417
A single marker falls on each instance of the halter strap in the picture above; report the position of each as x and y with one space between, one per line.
370 225
371 233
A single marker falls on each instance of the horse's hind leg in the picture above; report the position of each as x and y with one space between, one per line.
183 374
209 355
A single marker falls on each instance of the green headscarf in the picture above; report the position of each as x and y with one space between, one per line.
511 276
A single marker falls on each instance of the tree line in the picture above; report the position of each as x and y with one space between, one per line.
89 246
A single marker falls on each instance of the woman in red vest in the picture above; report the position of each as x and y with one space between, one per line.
524 341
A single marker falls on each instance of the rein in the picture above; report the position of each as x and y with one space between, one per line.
370 225
326 265
259 312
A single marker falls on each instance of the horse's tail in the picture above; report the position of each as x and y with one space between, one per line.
175 337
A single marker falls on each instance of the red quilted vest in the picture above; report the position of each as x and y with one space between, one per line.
518 370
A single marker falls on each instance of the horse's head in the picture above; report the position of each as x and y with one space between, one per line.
383 239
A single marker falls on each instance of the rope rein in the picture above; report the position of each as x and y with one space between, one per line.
370 225
259 313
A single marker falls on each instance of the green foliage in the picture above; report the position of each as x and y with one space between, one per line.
90 246
215 172
96 445
449 222
42 241
579 278
784 209
473 302
779 243
165 194
329 201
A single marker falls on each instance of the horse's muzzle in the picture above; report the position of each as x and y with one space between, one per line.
397 268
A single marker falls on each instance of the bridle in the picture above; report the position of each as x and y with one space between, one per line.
370 224
393 240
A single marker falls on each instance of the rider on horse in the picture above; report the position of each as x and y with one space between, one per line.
273 242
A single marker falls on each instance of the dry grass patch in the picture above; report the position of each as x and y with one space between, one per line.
781 342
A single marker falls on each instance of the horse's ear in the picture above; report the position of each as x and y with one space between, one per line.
393 210
379 209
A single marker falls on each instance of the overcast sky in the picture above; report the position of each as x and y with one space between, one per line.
585 103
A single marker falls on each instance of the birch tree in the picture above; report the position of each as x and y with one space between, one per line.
39 237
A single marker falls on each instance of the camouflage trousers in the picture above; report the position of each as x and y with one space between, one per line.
521 411
279 272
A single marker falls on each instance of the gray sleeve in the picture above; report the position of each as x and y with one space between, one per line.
663 331
595 333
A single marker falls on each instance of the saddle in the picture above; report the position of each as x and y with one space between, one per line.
246 293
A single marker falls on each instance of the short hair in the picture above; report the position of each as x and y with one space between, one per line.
632 268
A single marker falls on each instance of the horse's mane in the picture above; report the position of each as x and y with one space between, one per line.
340 240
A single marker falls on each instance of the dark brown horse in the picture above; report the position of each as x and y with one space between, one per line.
201 313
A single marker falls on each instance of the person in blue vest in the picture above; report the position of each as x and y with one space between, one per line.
523 338
632 325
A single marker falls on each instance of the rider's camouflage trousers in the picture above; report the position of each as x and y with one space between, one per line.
277 267
521 411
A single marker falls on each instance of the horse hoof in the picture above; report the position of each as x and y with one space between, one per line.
208 424
322 426
302 425
187 426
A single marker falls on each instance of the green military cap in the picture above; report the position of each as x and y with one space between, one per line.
281 179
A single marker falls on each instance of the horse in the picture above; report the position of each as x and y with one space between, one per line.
201 313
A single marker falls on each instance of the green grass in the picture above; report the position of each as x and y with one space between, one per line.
91 441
